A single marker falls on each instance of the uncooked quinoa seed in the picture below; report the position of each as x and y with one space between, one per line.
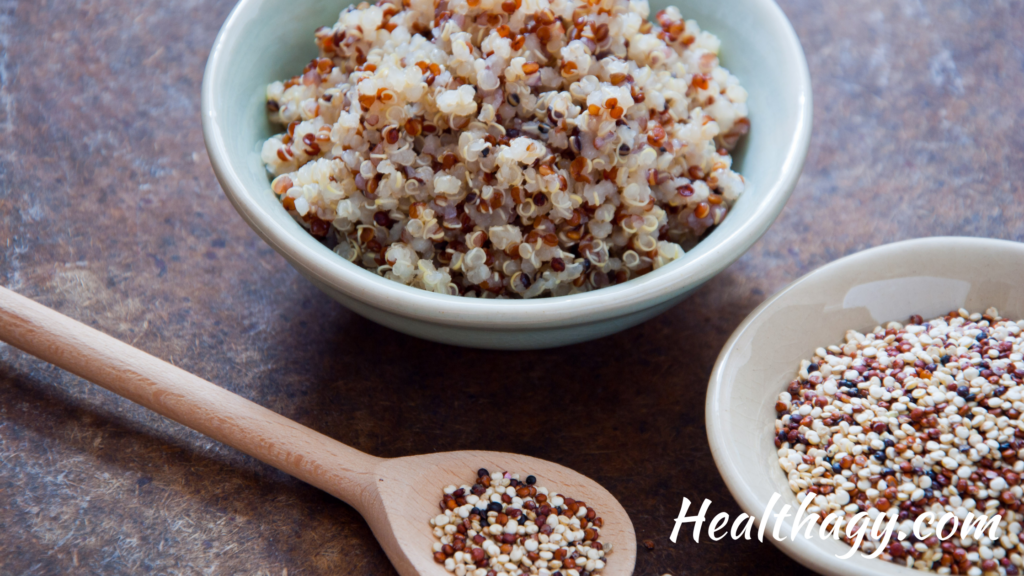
508 148
504 525
912 419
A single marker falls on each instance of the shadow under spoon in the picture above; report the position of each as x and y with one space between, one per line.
396 496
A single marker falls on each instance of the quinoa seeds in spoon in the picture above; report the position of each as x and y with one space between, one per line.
507 526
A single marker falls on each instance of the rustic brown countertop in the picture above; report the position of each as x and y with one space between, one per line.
110 213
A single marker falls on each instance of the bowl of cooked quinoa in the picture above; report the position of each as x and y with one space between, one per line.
887 383
508 173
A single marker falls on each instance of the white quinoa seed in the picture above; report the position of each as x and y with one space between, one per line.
508 148
911 419
522 535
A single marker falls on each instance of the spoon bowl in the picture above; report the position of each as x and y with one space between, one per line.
397 497
408 491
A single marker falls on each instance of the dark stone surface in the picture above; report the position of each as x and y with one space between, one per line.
110 213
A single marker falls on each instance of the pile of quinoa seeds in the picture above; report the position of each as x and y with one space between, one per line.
506 526
508 148
912 419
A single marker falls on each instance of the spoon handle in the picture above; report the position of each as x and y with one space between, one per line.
172 392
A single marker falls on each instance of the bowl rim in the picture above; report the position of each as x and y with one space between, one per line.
720 439
376 291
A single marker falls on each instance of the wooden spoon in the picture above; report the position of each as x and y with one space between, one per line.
397 497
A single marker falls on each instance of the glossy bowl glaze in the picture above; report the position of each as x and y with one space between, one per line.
266 40
929 277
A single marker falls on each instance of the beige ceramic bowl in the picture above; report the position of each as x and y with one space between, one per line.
929 277
266 40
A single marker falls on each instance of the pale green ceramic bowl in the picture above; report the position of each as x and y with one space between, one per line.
266 40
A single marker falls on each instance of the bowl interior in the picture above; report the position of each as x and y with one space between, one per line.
929 277
267 40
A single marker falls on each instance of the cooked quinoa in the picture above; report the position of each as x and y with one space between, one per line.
907 420
513 148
